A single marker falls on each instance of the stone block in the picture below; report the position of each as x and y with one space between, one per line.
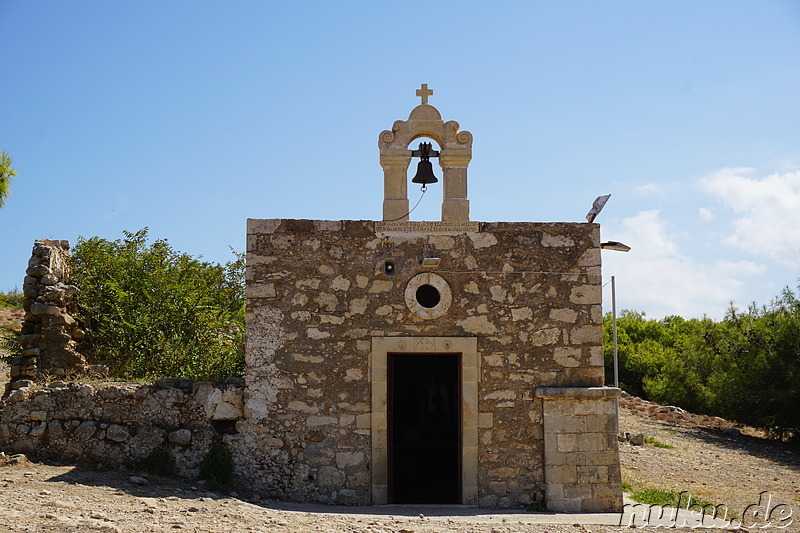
607 490
38 308
564 505
498 487
592 474
586 335
603 457
349 459
582 492
586 295
180 437
561 475
564 423
596 356
564 315
261 290
566 408
330 476
614 473
38 430
568 357
85 430
55 429
602 505
313 421
590 442
567 442
117 433
601 423
587 407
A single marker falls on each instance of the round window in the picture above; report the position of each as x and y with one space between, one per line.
428 295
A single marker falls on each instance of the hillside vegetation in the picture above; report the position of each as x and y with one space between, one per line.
745 367
150 311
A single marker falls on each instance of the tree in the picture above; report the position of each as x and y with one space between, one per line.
745 367
6 173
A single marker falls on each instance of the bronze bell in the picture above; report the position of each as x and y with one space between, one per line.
424 173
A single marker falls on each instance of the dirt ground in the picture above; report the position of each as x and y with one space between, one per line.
37 497
709 464
712 465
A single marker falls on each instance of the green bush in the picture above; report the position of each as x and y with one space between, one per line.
217 467
150 311
666 497
10 345
12 298
745 367
658 443
160 461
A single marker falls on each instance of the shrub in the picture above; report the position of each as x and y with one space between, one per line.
12 298
150 311
217 467
745 367
658 443
160 461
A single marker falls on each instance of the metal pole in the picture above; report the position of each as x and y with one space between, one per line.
614 325
614 328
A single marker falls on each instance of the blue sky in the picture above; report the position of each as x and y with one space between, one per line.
190 117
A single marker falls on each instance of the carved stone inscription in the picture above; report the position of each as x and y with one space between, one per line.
429 227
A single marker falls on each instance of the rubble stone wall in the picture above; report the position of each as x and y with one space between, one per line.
116 423
49 331
318 294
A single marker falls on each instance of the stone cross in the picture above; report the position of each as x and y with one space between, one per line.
423 92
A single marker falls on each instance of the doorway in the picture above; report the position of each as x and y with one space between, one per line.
424 428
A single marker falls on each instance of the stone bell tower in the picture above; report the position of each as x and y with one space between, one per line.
455 155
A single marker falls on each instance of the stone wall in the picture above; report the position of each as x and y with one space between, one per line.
115 423
49 331
318 299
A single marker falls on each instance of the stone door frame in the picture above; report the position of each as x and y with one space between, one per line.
467 347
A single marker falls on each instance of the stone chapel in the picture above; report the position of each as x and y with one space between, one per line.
447 362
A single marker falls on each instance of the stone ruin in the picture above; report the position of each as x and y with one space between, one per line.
49 331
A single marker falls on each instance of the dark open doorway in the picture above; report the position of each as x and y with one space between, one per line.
424 407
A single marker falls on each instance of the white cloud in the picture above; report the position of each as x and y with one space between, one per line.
650 189
705 214
766 210
658 278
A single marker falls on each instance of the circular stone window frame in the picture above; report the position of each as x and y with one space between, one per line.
436 281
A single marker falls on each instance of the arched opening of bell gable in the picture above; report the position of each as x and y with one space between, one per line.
430 203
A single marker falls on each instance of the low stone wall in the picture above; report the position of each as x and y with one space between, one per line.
116 423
